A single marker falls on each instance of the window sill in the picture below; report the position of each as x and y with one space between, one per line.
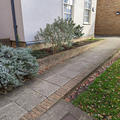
86 23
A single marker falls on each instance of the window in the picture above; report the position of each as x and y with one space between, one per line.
68 9
87 11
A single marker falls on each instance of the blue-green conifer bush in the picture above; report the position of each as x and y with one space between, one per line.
16 64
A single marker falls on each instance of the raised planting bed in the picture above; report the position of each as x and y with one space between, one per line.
42 53
76 49
100 96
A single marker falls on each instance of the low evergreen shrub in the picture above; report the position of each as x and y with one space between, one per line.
59 33
16 64
78 31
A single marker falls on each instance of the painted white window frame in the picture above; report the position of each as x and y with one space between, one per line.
89 10
68 4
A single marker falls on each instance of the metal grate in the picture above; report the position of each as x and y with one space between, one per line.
6 42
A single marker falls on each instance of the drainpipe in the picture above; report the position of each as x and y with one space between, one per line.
14 22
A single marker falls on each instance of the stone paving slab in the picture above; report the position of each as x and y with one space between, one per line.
64 111
45 88
4 101
11 112
45 75
69 117
68 73
57 79
26 98
29 99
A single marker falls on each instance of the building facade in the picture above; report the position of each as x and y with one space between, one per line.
108 18
31 15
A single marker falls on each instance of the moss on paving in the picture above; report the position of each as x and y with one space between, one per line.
102 99
94 39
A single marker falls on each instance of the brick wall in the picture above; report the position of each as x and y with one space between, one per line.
107 22
5 42
21 44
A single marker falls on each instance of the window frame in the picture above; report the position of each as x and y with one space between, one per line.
67 13
90 12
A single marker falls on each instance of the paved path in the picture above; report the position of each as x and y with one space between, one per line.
22 100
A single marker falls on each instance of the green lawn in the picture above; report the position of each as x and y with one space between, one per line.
102 99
